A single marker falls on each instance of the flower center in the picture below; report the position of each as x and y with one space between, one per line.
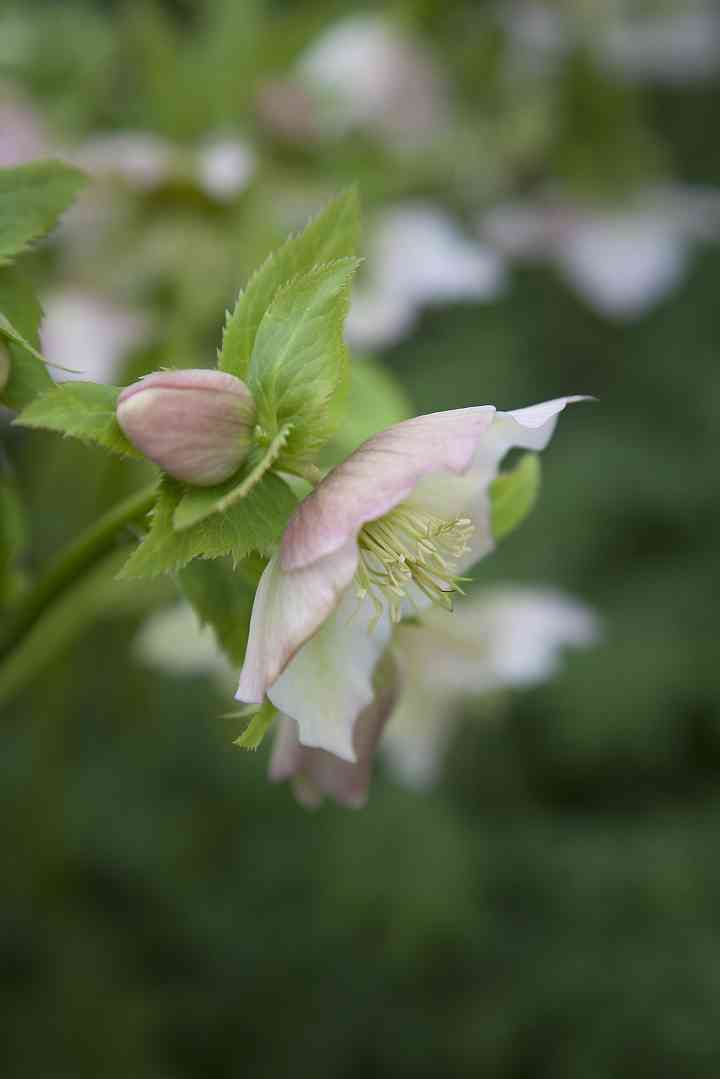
405 547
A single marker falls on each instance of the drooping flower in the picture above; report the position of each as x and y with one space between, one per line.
496 639
196 424
623 260
387 533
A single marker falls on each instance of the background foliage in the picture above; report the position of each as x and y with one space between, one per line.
552 908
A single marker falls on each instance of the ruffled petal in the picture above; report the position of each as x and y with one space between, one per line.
316 773
288 609
378 476
468 495
529 428
329 682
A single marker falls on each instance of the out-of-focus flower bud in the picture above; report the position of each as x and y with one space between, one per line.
195 424
4 365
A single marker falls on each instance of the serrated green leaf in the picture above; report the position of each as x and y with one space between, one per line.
19 325
222 596
32 198
84 410
254 524
200 502
257 728
513 495
333 234
299 365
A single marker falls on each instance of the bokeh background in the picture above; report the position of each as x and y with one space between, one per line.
550 908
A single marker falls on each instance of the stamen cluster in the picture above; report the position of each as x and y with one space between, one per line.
408 546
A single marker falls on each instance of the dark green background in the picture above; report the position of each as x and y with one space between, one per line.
551 909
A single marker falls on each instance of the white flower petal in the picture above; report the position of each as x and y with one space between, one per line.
417 736
379 475
288 609
328 684
451 496
499 638
316 773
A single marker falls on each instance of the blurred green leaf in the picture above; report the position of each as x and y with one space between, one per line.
333 234
222 596
299 365
84 410
20 316
513 495
12 538
254 524
32 198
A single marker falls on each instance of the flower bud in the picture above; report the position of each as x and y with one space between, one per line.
4 365
195 424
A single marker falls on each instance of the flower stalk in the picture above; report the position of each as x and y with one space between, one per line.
71 565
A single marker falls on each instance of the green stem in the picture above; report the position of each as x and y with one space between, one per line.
71 565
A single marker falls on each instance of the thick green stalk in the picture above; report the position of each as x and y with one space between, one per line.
71 565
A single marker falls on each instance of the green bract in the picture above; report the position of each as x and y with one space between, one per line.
513 494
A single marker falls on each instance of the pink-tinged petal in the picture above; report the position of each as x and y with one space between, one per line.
531 428
468 495
378 476
288 609
329 682
316 773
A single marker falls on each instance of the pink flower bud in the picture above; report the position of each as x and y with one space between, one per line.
196 425
4 365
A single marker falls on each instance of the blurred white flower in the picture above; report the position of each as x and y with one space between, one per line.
225 167
668 46
622 260
139 158
671 44
173 641
367 73
222 166
417 255
88 335
500 638
23 136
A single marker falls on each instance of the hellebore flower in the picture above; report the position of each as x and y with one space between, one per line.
195 424
496 639
387 533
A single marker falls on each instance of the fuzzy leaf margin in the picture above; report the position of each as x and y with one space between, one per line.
332 234
253 524
32 198
83 410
